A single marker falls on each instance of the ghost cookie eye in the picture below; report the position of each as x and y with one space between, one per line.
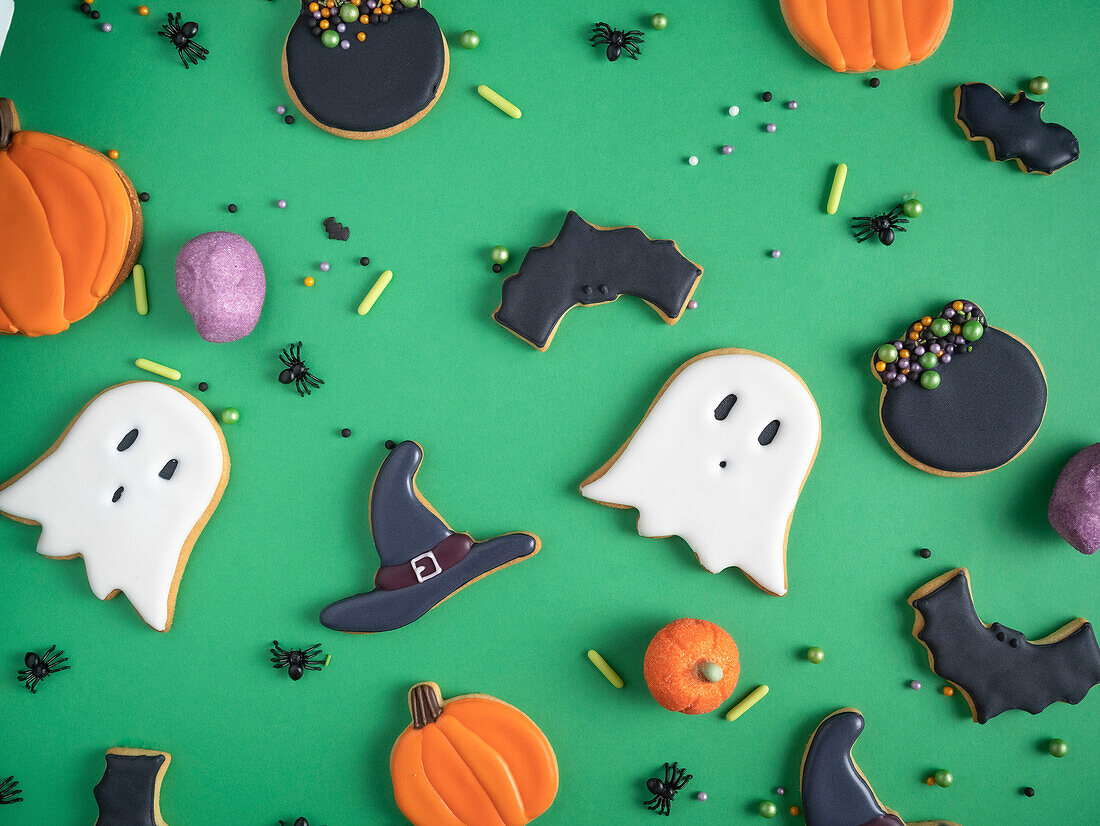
928 344
768 434
724 407
169 469
128 440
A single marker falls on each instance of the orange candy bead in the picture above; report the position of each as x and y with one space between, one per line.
674 663
926 320
360 37
948 691
143 10
308 281
880 366
957 306
323 24
113 154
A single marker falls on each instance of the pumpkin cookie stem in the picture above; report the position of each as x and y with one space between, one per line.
9 122
425 704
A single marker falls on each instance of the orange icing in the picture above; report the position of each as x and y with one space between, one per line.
481 763
861 35
66 222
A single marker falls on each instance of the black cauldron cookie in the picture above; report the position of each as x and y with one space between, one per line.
959 397
365 69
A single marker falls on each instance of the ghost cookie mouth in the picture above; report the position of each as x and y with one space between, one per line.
719 460
959 397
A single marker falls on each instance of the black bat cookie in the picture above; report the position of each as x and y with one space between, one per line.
995 667
129 793
587 265
1013 130
336 231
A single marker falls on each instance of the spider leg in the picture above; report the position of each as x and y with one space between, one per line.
670 772
864 235
651 804
599 39
312 380
631 50
299 384
307 650
901 229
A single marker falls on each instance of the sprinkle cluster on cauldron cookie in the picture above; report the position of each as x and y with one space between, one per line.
928 344
332 17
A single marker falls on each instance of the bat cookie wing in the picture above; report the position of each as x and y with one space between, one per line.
586 265
1014 130
995 667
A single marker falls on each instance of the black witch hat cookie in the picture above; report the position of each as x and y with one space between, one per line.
423 560
994 667
588 265
959 397
834 790
365 70
1014 130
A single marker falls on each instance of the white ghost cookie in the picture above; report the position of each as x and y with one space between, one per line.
720 459
128 486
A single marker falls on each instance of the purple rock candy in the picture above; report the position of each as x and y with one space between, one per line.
221 283
1075 504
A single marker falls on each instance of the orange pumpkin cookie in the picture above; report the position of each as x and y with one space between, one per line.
70 228
691 666
861 35
471 761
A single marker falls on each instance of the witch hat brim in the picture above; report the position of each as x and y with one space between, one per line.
423 561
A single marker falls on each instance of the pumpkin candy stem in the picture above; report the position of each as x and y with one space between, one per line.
9 122
425 704
711 672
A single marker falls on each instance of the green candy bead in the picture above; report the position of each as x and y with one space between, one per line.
500 255
330 38
887 353
1058 748
659 21
231 415
943 778
410 4
912 208
815 655
349 12
940 327
1039 85
929 379
928 361
972 330
768 809
711 672
469 39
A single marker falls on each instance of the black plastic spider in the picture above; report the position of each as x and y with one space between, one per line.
180 35
617 41
39 668
8 791
882 225
296 661
299 822
664 791
296 370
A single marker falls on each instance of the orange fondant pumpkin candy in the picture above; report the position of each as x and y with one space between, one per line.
471 761
70 229
691 666
861 35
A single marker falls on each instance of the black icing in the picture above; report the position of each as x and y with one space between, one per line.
834 793
169 469
128 440
126 795
1014 129
404 528
724 407
372 86
987 408
996 667
588 265
117 494
767 435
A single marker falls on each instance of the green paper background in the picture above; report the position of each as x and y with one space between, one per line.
509 432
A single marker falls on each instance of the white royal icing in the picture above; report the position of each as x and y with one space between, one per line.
670 468
7 11
132 545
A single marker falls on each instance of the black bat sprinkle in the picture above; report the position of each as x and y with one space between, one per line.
336 231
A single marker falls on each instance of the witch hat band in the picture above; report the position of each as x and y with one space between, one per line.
423 560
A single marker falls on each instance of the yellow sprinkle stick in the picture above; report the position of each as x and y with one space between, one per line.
141 297
755 697
510 109
375 291
159 369
837 189
328 659
605 669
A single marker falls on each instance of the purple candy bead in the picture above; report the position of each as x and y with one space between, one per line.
919 350
106 27
324 266
340 27
317 15
902 363
1075 504
792 104
945 358
701 796
345 44
779 790
776 253
968 307
915 685
280 109
770 127
948 313
727 150
221 283
933 347
693 304
889 374
281 204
